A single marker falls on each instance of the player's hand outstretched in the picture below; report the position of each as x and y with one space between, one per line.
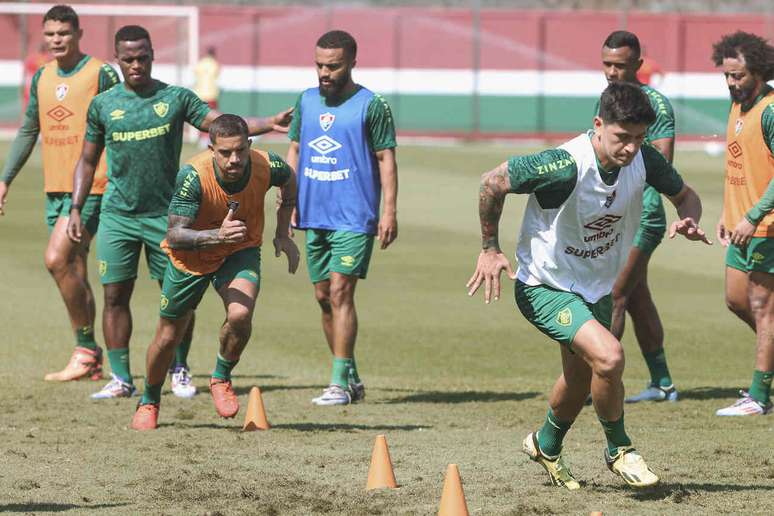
743 233
232 231
74 227
281 121
387 229
3 194
490 265
285 244
722 234
689 229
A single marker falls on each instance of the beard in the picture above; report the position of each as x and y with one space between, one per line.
741 95
334 88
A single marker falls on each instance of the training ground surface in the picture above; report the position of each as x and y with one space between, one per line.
449 380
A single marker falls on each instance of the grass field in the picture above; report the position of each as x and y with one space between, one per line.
448 380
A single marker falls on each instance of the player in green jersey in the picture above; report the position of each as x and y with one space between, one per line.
620 61
580 221
141 126
59 96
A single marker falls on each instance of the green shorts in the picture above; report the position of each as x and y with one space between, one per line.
120 242
58 206
758 256
181 292
560 314
344 252
652 221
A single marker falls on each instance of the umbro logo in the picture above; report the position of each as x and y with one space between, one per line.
735 149
117 114
602 223
59 113
324 144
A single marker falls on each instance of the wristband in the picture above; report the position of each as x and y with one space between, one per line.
76 207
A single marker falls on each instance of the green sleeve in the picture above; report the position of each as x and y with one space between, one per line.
95 130
659 173
280 171
766 203
188 193
551 175
26 136
380 124
195 108
107 78
294 133
664 126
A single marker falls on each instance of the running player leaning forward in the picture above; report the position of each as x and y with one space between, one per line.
747 224
343 149
214 236
583 212
620 61
59 97
141 126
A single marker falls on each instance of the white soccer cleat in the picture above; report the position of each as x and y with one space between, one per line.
745 406
115 388
333 395
631 467
182 384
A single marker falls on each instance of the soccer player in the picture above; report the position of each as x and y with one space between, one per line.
585 201
141 126
214 236
620 61
59 97
746 225
343 151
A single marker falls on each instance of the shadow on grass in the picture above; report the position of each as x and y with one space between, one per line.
709 393
463 397
680 491
345 427
54 507
244 376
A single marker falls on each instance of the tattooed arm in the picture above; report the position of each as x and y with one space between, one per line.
181 236
495 184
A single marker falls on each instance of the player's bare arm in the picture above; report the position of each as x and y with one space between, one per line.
688 205
388 175
283 243
257 125
292 160
82 180
180 235
495 185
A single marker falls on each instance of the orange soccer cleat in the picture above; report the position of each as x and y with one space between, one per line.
226 402
84 363
146 417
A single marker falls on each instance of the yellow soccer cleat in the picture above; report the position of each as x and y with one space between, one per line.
84 363
557 470
631 467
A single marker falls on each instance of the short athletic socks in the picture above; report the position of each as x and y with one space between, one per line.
657 365
615 434
552 434
84 338
223 368
760 389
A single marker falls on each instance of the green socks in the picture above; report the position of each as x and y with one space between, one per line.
340 371
151 394
657 365
84 338
181 354
353 376
223 368
119 363
551 435
760 390
615 434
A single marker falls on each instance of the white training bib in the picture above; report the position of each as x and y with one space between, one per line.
582 245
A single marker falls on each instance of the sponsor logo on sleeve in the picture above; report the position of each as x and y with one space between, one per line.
117 114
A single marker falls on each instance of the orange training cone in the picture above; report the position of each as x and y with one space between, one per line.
453 497
255 419
380 473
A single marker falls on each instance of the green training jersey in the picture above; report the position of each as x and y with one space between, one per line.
552 175
188 188
664 126
379 122
143 136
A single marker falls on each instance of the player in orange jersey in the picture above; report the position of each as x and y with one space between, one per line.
59 98
746 226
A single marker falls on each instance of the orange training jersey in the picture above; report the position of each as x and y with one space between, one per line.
213 208
749 166
62 106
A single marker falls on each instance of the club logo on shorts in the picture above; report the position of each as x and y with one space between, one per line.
348 261
164 302
602 222
61 91
117 114
739 124
564 317
161 109
735 149
102 267
59 113
758 257
326 120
